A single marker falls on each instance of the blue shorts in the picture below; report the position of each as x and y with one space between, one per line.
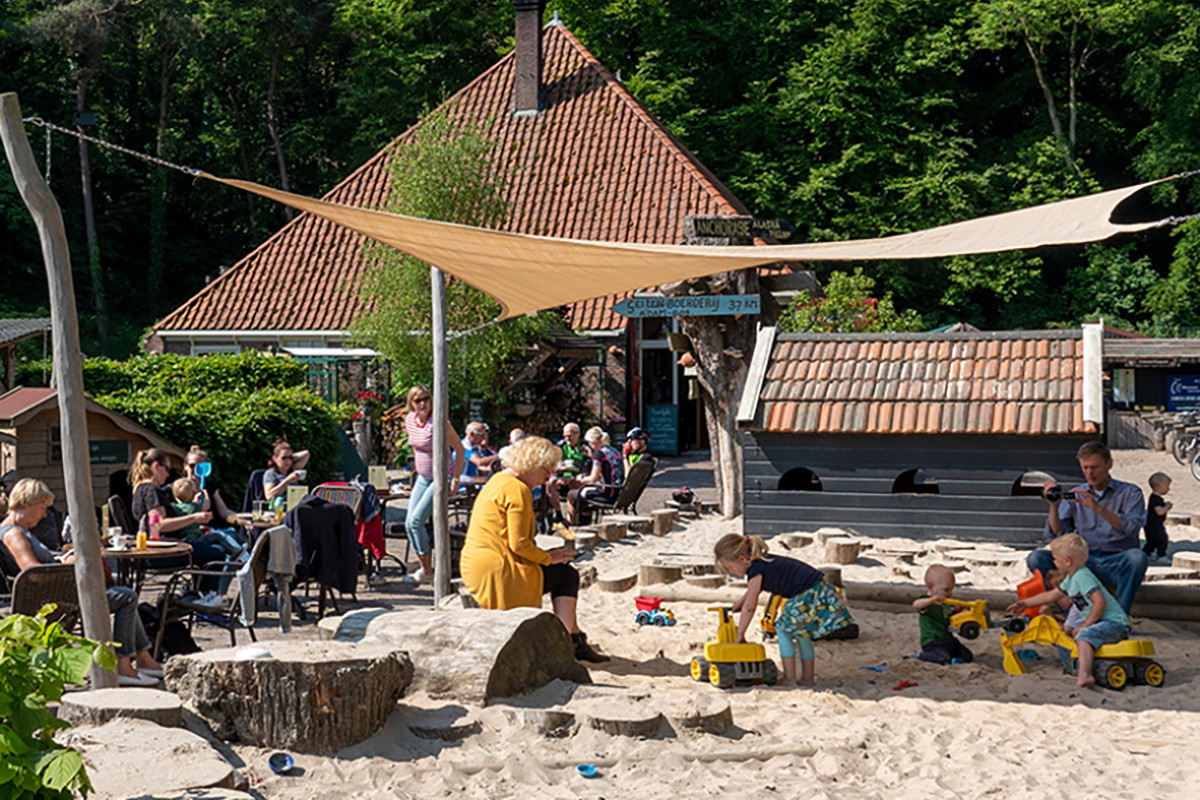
1103 632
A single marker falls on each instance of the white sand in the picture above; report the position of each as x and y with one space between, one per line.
965 730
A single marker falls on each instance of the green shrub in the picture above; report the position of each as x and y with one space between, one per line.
37 659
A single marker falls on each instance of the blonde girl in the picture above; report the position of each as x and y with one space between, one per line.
813 608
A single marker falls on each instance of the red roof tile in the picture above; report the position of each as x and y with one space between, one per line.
1027 382
592 165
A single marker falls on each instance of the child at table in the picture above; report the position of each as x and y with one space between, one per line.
1105 622
938 644
186 503
813 608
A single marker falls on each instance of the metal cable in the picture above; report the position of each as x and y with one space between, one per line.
152 159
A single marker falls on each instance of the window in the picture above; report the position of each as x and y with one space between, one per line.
800 479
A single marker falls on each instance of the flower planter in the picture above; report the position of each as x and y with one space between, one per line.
523 409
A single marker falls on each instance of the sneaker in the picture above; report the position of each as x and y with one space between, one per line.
417 577
153 673
136 680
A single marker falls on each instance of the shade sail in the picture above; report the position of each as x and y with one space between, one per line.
529 273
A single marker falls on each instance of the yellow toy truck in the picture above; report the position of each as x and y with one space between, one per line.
972 620
1115 666
725 663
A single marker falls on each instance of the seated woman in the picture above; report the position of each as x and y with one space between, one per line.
501 565
20 549
603 483
284 469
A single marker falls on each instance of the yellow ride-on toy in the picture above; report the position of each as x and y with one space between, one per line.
725 663
1115 665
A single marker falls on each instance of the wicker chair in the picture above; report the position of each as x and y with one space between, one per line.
183 600
36 586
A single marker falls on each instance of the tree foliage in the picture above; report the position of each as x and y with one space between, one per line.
847 307
445 173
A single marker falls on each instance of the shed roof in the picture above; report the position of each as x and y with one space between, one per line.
14 330
21 404
1021 382
593 164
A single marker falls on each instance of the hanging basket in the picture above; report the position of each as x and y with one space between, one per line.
523 409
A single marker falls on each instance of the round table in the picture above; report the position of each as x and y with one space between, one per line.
132 563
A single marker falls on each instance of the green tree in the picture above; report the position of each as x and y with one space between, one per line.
444 172
847 307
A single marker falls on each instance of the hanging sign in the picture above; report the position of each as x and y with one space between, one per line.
705 305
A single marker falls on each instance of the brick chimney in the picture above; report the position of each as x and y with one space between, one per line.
527 70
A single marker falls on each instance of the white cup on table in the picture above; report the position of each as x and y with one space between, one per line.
116 538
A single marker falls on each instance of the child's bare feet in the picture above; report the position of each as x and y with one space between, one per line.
1085 680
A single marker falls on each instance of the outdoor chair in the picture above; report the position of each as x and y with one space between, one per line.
631 491
182 598
118 514
254 490
36 586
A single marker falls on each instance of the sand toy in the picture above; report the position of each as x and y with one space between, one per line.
726 663
1115 666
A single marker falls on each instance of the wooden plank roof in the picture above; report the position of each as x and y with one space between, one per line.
593 164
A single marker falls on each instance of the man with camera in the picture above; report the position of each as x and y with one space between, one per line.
1108 514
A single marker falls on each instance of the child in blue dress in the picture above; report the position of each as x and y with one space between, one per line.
813 608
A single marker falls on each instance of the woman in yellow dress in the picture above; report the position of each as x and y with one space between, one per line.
501 564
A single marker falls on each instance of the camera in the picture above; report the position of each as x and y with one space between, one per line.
1055 494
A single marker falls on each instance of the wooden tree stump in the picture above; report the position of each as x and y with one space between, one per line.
611 531
617 582
587 575
634 523
311 697
704 712
586 541
135 758
618 716
104 705
475 656
796 541
842 550
1186 560
692 565
553 722
664 520
832 574
705 581
446 723
1178 519
823 535
658 573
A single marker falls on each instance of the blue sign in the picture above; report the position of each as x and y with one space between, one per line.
705 305
1183 392
663 424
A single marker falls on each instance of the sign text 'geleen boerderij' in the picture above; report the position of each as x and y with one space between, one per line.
698 306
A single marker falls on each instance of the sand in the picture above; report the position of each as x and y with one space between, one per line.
966 730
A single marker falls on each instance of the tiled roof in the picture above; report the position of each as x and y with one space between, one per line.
20 400
592 165
14 330
1028 382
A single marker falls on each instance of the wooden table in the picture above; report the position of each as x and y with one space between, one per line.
132 563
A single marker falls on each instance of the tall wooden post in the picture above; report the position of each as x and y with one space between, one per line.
441 447
68 374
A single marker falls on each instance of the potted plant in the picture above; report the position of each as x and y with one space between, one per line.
522 400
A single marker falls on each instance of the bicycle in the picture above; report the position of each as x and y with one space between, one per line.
1185 444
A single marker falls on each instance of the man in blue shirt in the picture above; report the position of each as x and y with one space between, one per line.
1108 514
479 457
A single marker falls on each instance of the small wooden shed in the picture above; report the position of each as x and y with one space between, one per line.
30 441
916 434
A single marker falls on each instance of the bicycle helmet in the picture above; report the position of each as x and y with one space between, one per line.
637 433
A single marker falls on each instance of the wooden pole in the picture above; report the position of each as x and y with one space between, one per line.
68 374
441 446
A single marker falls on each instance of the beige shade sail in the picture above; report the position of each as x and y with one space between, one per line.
530 273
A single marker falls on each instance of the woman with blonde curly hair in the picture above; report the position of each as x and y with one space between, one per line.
501 565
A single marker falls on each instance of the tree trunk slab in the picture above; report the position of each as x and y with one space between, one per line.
104 705
664 520
691 565
135 758
1178 519
702 711
832 574
552 722
309 697
617 582
451 723
1187 560
474 655
585 540
986 556
611 531
1155 574
842 550
659 573
618 716
634 523
796 541
705 581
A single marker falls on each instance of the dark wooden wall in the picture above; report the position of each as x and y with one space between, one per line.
975 477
